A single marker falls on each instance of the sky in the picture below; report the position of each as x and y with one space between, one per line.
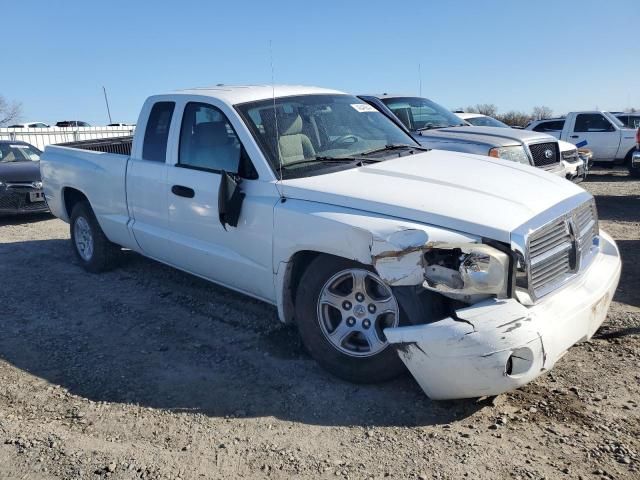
568 55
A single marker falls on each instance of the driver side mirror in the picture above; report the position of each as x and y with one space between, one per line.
230 198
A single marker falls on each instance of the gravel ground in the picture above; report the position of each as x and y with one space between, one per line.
147 372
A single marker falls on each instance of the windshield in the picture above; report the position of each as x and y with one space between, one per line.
420 113
316 131
616 121
486 122
18 152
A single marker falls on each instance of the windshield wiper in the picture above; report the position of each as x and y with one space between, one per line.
393 146
321 159
431 127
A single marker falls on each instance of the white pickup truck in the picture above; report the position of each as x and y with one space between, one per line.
601 132
477 273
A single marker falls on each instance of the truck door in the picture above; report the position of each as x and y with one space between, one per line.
596 132
147 183
239 257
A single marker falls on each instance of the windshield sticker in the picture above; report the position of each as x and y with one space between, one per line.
18 146
363 107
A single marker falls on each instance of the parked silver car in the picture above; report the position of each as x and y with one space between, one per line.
436 127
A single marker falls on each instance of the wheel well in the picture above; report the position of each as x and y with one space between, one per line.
630 154
72 197
296 267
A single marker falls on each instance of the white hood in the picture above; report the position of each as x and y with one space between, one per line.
468 193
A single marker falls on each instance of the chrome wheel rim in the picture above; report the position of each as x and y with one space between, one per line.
354 308
83 238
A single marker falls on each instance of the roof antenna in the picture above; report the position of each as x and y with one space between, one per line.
106 100
275 119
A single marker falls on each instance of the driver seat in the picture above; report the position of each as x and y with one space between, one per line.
293 144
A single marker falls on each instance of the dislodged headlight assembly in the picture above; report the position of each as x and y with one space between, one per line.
467 272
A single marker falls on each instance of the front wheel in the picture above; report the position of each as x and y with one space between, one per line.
342 309
633 171
92 248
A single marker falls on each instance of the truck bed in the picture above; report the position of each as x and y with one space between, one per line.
93 172
119 145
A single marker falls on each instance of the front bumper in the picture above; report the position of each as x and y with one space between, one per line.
499 345
16 200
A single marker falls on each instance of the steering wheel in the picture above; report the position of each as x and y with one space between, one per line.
342 140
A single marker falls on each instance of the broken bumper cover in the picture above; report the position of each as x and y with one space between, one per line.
499 345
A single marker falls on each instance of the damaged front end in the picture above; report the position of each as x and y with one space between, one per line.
463 271
482 340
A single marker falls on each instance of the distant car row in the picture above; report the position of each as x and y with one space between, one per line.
63 124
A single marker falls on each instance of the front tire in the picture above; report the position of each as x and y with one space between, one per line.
634 172
342 308
93 249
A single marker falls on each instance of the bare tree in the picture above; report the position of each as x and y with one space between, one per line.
9 111
514 118
488 109
541 113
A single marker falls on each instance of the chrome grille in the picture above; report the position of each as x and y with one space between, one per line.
561 248
586 221
545 154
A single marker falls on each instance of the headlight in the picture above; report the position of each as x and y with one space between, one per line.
513 154
467 272
570 155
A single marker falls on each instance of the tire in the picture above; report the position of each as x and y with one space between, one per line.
634 172
92 248
351 361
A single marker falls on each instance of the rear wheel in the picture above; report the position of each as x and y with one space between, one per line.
342 309
93 249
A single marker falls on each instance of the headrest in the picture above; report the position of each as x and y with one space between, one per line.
289 124
210 134
405 115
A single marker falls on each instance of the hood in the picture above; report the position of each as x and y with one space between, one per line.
463 192
492 136
26 171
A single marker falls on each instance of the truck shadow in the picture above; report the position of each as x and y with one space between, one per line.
611 174
146 334
629 285
618 208
24 219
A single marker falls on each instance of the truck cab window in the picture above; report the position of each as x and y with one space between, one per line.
157 132
207 140
553 126
592 122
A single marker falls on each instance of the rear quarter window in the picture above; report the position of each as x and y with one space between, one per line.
157 132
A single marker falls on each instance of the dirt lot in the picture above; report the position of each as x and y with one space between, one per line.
147 372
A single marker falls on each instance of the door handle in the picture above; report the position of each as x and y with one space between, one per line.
182 191
575 136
